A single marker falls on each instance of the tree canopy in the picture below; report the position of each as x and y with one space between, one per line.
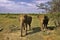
50 6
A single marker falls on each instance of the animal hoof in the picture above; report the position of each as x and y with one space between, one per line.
22 36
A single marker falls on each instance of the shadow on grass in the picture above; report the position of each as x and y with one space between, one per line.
38 29
35 30
51 27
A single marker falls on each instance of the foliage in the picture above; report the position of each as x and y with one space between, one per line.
50 6
56 18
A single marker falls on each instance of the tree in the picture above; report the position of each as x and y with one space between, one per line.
55 6
52 7
43 6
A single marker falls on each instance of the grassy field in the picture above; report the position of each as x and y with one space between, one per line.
9 23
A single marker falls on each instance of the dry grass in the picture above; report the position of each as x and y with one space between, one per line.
35 34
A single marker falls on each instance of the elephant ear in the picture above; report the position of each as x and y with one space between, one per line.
21 18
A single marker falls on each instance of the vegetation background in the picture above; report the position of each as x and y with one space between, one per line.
10 27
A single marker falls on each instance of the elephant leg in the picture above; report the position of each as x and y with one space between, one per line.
21 31
26 29
29 27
